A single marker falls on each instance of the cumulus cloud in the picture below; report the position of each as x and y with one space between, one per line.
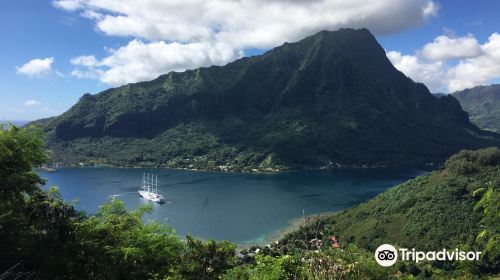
477 70
444 48
430 73
478 64
217 31
36 67
247 23
138 61
32 102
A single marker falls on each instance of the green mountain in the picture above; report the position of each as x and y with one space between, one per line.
483 105
331 98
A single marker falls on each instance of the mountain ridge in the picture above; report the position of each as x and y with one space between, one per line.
332 98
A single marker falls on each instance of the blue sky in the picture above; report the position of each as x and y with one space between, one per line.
112 43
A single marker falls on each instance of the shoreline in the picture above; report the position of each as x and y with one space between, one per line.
255 171
292 225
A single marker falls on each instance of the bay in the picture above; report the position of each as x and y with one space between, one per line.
239 207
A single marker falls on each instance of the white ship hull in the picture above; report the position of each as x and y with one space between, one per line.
152 196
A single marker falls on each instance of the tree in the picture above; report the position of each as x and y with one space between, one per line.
207 260
21 149
116 244
489 235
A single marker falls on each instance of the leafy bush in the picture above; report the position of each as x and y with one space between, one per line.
467 162
207 260
489 236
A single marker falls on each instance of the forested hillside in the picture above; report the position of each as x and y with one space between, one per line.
330 99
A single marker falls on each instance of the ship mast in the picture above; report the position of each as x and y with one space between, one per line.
149 188
149 184
154 186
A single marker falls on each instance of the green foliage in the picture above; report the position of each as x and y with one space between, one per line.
347 263
38 232
489 235
275 268
116 244
208 260
20 151
33 225
469 162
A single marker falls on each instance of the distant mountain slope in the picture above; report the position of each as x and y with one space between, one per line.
332 98
18 123
483 105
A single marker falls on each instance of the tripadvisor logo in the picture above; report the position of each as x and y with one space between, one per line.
387 255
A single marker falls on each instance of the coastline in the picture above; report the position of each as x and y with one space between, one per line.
292 225
432 165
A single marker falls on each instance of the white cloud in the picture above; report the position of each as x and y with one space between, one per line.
429 73
90 63
477 70
177 35
69 5
444 48
89 73
86 60
247 23
32 102
138 61
430 9
477 65
36 67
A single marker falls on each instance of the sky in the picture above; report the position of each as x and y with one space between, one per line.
54 51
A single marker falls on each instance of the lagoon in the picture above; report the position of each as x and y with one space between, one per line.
239 207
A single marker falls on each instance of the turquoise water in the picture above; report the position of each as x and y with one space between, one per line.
239 207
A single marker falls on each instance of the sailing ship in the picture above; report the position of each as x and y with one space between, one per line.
149 188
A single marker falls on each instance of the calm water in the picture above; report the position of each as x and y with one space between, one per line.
234 206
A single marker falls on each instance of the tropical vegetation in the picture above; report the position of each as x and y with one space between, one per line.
44 237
